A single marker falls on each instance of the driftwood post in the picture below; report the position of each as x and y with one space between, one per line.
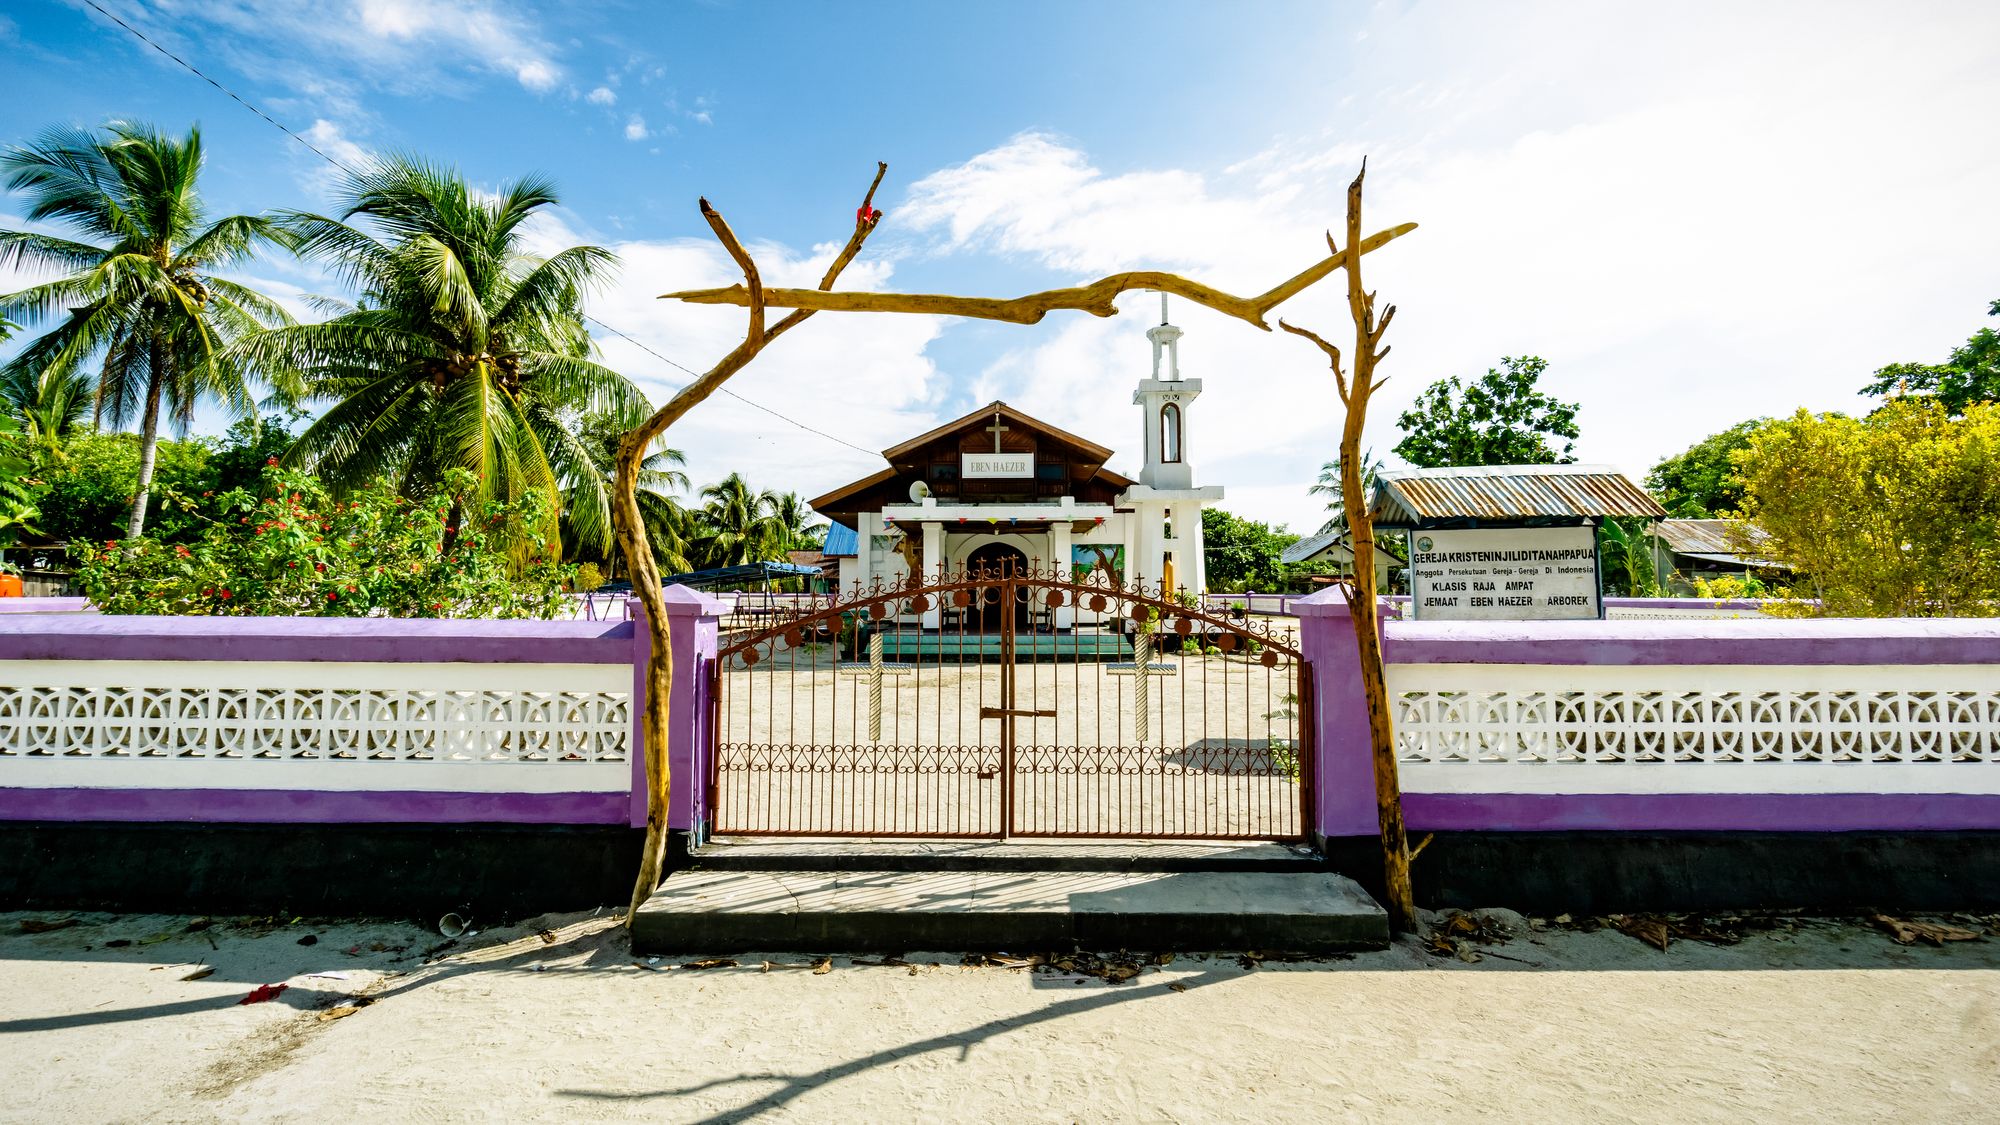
1097 299
1361 592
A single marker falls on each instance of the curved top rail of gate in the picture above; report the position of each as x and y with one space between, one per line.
811 618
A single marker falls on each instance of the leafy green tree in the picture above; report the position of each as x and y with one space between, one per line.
1500 419
138 295
1244 554
464 352
1970 374
1626 556
239 458
17 493
288 548
89 495
1704 482
1893 515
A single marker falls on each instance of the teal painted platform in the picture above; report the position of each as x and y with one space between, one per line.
907 646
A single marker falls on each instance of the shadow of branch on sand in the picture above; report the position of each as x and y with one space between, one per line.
793 1086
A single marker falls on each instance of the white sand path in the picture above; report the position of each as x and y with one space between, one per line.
1830 1023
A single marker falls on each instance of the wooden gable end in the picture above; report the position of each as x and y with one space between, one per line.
1064 465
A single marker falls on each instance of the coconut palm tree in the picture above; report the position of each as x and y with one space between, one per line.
585 530
1329 487
48 407
138 295
799 525
738 523
464 351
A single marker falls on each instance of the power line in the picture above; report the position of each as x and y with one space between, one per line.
725 390
317 151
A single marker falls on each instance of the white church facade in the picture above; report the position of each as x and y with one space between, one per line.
999 487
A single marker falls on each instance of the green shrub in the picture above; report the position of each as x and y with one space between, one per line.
296 551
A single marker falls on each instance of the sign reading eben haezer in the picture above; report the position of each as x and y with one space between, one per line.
1505 574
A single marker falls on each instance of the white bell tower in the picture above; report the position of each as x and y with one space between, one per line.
1164 400
1165 505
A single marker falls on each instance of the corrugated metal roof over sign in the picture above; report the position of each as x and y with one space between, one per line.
1504 493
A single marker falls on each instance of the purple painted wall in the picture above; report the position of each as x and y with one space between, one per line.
291 806
693 629
692 622
1346 796
336 639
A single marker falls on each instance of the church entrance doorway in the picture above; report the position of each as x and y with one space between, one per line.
928 711
998 560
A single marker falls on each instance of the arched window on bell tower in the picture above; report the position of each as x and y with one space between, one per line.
1170 433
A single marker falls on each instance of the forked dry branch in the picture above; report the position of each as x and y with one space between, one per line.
1361 601
1096 299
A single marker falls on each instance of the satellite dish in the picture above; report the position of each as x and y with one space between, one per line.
919 492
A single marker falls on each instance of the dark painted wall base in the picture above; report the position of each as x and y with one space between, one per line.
1607 872
418 871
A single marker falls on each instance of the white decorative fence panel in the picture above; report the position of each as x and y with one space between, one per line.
1540 728
515 728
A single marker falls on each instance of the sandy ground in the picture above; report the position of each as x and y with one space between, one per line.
1818 1021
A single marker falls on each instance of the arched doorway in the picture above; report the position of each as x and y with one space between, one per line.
996 560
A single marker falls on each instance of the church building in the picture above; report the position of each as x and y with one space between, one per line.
999 487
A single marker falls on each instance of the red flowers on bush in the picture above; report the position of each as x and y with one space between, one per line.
370 548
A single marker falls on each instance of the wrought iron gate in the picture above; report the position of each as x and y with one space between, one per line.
1010 703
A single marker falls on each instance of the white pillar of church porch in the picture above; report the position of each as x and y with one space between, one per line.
934 564
1190 565
865 526
1059 560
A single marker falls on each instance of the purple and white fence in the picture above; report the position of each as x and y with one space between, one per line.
1659 725
1626 724
315 720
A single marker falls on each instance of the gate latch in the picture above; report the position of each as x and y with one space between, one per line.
997 712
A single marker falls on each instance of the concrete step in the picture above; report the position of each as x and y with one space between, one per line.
697 911
769 853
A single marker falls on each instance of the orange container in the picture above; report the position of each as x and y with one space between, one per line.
10 586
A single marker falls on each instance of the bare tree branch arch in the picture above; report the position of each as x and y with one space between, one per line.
1097 299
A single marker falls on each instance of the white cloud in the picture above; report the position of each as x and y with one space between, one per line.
332 140
635 128
324 51
603 95
1726 226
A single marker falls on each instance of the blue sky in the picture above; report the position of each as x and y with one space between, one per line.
1697 213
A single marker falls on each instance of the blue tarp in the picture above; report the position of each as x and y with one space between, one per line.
749 572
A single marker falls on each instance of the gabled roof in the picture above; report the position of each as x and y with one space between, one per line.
1305 549
908 461
821 504
1716 541
1495 494
1083 445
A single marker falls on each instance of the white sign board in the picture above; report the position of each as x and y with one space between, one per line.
974 466
1505 574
